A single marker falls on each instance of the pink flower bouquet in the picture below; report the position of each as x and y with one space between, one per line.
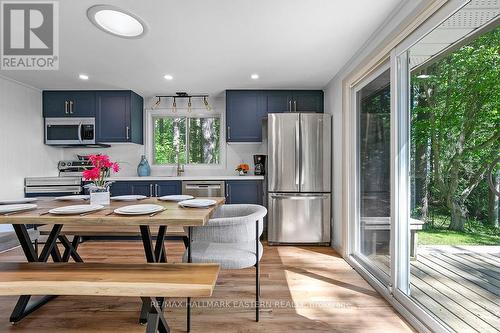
101 169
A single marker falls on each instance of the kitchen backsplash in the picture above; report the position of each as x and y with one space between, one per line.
129 155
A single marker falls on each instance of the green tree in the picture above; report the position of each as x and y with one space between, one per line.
456 119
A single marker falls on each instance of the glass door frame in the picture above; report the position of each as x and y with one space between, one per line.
400 171
398 289
355 249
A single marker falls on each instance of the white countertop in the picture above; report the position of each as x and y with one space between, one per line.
160 178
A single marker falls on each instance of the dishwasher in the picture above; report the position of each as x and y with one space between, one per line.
203 188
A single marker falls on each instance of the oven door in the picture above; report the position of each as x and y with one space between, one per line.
69 131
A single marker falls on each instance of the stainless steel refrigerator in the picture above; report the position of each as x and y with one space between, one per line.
298 177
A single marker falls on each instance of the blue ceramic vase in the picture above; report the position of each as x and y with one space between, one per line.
143 169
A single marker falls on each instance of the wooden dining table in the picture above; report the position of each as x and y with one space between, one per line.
172 215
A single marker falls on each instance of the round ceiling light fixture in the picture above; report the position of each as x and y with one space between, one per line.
254 76
168 77
116 21
83 77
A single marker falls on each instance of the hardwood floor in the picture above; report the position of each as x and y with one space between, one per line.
329 296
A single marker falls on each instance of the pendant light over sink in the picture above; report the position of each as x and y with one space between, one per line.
116 21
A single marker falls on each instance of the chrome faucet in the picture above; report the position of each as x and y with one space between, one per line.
180 167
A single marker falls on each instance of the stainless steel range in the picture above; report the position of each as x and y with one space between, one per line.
52 186
73 168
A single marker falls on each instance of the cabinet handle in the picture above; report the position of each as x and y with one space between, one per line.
295 105
71 107
228 194
66 107
156 190
150 190
290 106
127 130
229 132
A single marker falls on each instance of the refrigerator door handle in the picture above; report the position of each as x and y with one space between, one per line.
297 153
298 196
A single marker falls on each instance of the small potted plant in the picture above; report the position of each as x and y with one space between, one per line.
242 169
101 169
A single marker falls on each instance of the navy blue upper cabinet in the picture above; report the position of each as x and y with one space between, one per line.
244 112
246 108
278 101
68 103
119 116
244 192
307 101
294 101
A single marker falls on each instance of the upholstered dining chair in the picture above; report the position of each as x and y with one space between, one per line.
231 238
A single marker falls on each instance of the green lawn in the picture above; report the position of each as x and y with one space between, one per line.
475 234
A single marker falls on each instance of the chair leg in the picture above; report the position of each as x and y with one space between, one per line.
257 273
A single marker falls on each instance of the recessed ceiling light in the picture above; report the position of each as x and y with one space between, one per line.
254 76
168 77
116 21
83 77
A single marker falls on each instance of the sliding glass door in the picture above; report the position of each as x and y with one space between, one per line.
423 176
446 225
373 112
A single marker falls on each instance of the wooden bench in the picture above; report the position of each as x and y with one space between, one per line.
151 282
375 224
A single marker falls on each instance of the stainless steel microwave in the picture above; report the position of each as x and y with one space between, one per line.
69 131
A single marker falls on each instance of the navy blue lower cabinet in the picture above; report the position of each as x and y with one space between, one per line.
170 187
147 188
244 192
120 188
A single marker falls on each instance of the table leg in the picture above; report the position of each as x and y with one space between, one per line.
155 318
160 253
24 307
153 255
70 248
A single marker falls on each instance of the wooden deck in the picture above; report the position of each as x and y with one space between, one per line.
460 289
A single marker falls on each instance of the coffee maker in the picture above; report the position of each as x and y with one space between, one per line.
260 165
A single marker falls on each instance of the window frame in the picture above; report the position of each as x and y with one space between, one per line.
151 115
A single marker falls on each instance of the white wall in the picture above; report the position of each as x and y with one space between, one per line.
333 105
22 152
129 155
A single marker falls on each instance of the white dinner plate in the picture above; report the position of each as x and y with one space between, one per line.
139 209
75 209
128 197
198 203
17 201
74 197
4 209
176 197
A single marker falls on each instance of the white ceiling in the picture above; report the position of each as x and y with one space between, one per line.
212 45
